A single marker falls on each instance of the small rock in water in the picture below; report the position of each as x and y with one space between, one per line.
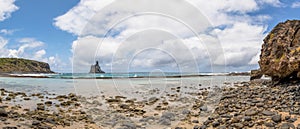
203 108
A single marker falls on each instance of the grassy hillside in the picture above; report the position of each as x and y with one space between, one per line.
18 65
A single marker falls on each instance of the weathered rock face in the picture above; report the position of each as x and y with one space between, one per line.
280 53
18 65
96 68
255 74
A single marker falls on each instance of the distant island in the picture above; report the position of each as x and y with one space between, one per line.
19 65
96 68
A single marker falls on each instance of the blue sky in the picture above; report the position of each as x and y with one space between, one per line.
51 27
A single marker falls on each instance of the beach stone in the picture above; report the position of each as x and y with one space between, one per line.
276 118
3 113
238 125
270 124
215 124
292 120
36 122
250 112
287 126
40 107
200 127
203 108
247 118
195 121
268 113
9 127
186 111
168 115
48 103
164 121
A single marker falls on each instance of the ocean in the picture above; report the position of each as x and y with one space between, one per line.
127 84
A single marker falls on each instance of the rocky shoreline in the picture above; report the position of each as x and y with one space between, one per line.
252 104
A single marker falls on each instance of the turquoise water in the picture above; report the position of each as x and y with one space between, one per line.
117 75
88 85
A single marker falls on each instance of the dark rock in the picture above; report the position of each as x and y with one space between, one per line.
268 113
281 50
36 122
48 103
3 113
276 118
96 68
270 124
178 128
255 74
247 118
195 121
238 125
287 126
215 124
9 127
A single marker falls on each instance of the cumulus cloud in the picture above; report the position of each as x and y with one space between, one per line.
29 48
201 34
296 4
6 8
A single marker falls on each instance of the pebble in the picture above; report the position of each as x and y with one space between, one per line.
3 113
268 113
276 118
203 108
250 113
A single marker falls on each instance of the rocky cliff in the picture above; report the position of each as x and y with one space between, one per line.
280 53
17 65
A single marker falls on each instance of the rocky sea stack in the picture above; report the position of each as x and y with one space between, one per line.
280 53
18 65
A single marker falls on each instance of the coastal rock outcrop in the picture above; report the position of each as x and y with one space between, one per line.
280 53
96 68
18 65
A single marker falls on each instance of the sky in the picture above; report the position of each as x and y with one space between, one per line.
141 35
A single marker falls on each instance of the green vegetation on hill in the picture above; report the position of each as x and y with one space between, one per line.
18 65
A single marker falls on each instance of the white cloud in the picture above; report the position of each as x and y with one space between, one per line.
29 48
240 34
39 54
7 32
275 3
6 8
296 4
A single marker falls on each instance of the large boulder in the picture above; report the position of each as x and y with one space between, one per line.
280 53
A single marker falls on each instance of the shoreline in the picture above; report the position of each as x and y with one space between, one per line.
252 104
